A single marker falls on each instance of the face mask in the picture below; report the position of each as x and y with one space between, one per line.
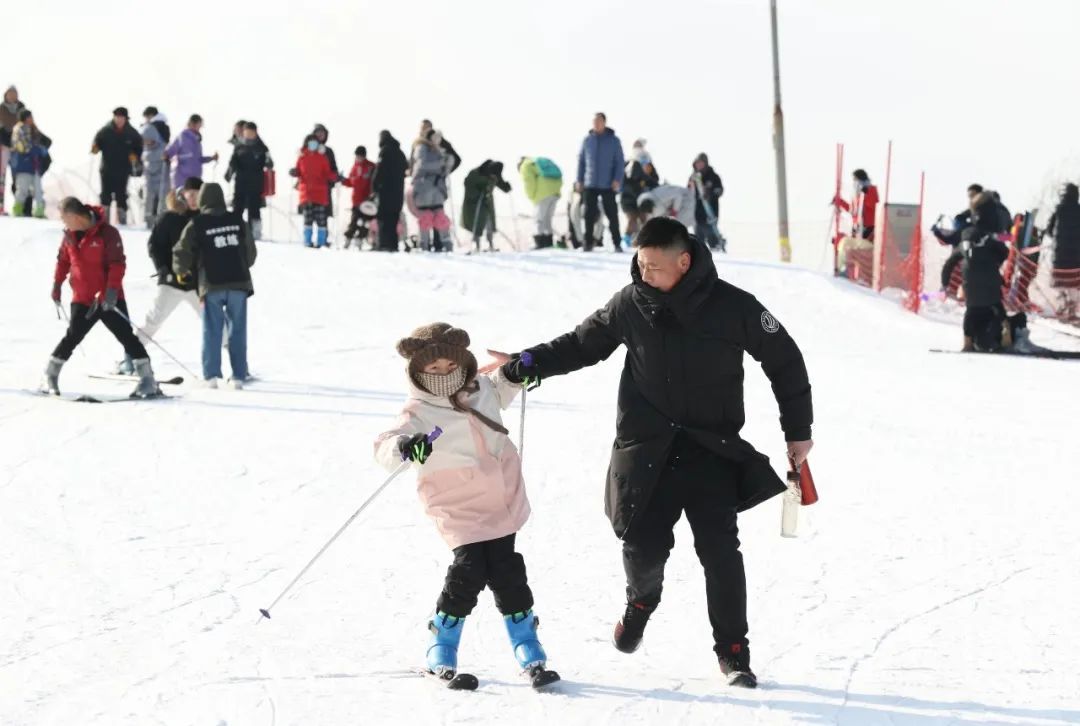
442 385
313 145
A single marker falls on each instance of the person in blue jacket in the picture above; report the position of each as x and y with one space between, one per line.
599 177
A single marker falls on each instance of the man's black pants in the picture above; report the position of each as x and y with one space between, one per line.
493 564
703 485
114 186
593 198
80 325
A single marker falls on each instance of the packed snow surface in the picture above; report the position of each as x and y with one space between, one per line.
936 582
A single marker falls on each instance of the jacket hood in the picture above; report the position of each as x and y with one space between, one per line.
685 298
159 117
10 104
211 198
387 139
1071 195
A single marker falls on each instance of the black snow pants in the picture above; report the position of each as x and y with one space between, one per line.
114 186
80 325
702 484
492 564
593 199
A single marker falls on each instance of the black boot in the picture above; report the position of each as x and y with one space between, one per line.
735 664
631 628
538 241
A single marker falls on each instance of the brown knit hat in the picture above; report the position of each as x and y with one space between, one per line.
438 340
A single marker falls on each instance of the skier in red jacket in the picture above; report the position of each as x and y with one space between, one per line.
92 255
360 181
865 206
315 175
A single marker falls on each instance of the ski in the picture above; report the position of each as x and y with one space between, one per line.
451 680
540 677
1044 354
174 381
87 398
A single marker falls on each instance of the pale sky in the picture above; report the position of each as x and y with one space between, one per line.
968 90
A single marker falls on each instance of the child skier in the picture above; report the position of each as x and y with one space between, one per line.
470 484
315 175
359 180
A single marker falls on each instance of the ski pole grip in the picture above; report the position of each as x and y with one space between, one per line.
527 359
436 433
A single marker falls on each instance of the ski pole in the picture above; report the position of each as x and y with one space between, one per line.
527 359
265 612
176 360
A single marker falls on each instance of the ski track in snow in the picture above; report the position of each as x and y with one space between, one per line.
932 585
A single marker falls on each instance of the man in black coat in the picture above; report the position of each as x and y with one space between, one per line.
677 447
249 164
389 185
120 146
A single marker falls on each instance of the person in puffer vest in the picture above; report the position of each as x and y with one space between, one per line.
470 485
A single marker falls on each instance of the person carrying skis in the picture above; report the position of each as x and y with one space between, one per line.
92 255
478 210
984 254
470 484
388 185
216 250
314 177
640 177
188 152
708 189
677 447
155 135
249 163
543 185
1064 227
430 168
359 180
120 146
599 176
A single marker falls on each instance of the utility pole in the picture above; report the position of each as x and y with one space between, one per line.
778 144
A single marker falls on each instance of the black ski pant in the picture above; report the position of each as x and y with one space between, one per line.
593 199
704 486
388 239
80 325
707 233
493 564
114 186
982 323
250 202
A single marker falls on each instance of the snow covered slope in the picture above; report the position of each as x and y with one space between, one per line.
937 583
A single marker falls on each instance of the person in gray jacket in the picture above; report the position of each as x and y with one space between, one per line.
430 166
155 136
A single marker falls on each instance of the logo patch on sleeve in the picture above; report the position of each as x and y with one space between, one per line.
769 323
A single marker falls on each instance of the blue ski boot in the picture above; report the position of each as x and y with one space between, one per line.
530 655
321 237
307 237
125 367
442 650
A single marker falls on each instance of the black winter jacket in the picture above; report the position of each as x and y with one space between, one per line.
711 188
248 162
984 254
118 147
389 180
163 238
684 373
636 182
1064 227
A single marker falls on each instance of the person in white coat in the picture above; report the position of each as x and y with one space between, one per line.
668 200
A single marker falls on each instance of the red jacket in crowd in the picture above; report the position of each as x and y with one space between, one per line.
360 181
869 206
315 174
94 259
